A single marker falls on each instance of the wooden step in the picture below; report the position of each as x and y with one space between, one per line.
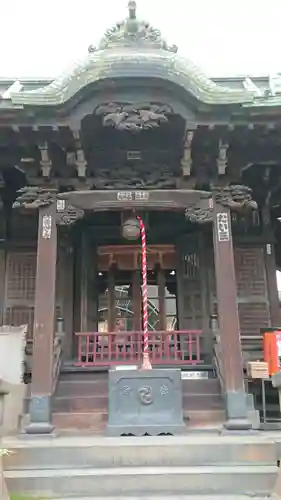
90 385
100 402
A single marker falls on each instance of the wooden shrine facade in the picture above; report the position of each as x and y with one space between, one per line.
146 133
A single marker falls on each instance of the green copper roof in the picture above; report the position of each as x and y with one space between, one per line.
134 49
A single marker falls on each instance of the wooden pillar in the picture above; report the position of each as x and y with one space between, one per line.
137 300
2 284
229 328
44 322
89 293
270 268
68 300
84 284
272 290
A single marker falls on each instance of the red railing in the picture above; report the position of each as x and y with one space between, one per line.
166 348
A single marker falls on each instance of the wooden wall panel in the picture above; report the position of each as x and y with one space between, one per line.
252 295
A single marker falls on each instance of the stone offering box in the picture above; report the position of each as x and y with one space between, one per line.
145 402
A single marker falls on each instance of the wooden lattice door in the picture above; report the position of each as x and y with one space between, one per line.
190 305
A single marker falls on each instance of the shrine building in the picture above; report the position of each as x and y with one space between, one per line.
137 130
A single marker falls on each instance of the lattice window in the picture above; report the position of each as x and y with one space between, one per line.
17 316
250 272
191 265
20 277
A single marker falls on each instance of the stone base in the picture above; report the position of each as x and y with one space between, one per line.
237 411
13 408
40 411
39 429
145 402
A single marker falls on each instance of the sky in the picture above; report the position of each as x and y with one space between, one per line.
43 38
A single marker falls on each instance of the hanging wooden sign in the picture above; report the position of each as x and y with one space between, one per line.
223 226
47 227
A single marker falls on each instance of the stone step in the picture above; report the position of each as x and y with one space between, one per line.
107 452
100 402
143 480
97 420
172 497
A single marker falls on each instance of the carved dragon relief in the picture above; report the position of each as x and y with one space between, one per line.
235 197
133 117
148 177
33 198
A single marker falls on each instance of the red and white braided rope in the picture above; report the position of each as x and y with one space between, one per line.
146 361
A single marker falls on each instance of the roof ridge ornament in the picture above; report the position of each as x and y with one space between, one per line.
132 8
133 33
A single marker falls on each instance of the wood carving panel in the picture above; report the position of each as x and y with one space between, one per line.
134 177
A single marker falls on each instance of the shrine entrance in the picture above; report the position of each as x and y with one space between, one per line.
118 338
119 301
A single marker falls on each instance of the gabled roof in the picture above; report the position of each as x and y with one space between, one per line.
134 49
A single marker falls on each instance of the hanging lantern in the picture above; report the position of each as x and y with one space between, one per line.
131 229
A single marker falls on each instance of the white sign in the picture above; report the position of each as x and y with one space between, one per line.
47 227
194 375
223 226
278 340
133 196
60 205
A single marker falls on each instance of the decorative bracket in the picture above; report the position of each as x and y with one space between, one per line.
200 212
67 214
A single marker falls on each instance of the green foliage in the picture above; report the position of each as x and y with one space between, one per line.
15 496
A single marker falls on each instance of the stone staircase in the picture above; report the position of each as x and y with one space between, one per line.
81 401
165 467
